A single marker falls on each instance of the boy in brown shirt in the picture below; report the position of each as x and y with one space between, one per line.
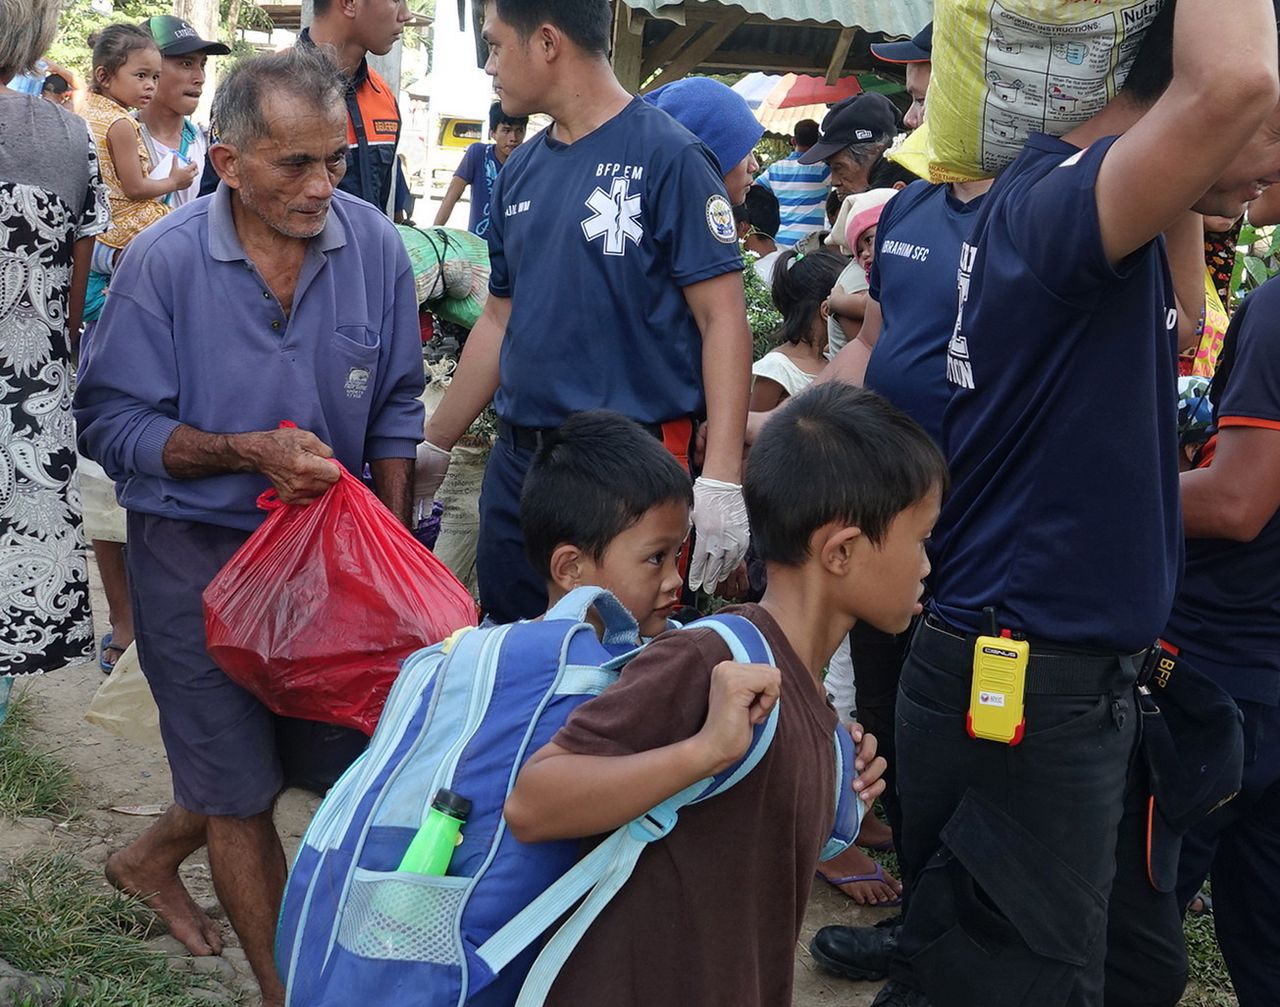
842 491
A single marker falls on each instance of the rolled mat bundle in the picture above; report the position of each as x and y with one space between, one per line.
450 271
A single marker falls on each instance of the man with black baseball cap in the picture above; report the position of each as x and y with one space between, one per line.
916 55
854 133
166 126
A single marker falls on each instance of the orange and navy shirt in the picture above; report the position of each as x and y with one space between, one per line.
373 130
1226 617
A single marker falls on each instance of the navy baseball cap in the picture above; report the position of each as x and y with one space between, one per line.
915 50
176 37
861 119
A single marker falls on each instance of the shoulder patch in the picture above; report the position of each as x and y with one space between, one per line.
720 219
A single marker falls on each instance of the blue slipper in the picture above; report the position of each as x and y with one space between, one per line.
877 875
105 645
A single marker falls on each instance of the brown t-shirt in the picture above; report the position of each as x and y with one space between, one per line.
712 913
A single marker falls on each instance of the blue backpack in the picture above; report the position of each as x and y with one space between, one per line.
466 715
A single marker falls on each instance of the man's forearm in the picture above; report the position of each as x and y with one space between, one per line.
193 454
726 376
393 483
849 365
474 382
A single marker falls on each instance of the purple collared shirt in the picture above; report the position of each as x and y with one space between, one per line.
191 334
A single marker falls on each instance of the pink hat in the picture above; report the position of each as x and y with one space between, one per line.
865 213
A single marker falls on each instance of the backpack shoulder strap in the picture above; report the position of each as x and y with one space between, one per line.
849 807
602 873
620 627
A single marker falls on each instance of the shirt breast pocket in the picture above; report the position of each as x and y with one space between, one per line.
356 359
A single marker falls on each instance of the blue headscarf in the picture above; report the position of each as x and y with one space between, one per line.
714 113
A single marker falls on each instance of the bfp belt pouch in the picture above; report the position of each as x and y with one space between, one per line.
997 699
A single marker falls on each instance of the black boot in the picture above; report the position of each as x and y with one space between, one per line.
855 952
895 994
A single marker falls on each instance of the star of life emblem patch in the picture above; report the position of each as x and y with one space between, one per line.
720 219
615 217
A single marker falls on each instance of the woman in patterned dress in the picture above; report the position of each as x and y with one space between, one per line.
52 203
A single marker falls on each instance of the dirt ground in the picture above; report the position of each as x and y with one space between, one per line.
113 774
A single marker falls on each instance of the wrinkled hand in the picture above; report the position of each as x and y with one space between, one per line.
741 696
429 471
870 768
296 461
720 515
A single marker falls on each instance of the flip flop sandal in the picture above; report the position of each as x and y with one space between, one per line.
103 646
877 875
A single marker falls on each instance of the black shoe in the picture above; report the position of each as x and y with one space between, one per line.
855 952
894 994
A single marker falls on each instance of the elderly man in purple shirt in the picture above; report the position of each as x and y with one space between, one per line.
277 298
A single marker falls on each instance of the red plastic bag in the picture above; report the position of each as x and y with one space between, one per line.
315 612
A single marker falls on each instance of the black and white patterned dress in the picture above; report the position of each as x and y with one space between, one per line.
51 195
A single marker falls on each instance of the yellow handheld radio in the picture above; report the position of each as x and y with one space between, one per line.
996 702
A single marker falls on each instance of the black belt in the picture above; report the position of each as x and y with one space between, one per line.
1049 672
532 438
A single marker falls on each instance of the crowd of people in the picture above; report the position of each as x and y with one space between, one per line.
1014 417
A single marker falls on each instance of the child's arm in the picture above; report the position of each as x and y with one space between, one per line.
562 795
766 394
123 143
850 308
850 364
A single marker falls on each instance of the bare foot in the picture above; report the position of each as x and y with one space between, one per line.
861 878
121 637
875 834
168 898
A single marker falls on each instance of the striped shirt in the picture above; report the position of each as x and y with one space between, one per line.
802 196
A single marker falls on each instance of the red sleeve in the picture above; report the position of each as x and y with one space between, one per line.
660 699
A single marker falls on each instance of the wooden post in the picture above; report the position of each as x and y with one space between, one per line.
700 48
628 41
839 55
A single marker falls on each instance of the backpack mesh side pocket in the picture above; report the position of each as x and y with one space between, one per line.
404 917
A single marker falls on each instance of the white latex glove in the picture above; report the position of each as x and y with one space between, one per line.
429 470
720 515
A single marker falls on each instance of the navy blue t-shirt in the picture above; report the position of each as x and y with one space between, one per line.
479 168
1226 617
1061 431
914 280
594 243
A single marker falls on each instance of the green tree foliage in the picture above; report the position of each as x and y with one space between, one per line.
1257 259
71 47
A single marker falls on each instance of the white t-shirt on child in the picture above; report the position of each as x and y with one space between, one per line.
777 366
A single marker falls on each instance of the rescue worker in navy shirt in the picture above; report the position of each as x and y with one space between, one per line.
1226 623
616 283
1063 527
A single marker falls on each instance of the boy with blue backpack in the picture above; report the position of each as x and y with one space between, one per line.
605 512
712 912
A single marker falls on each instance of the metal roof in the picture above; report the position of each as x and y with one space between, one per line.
893 17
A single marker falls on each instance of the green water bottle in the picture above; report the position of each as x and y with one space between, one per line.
433 846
